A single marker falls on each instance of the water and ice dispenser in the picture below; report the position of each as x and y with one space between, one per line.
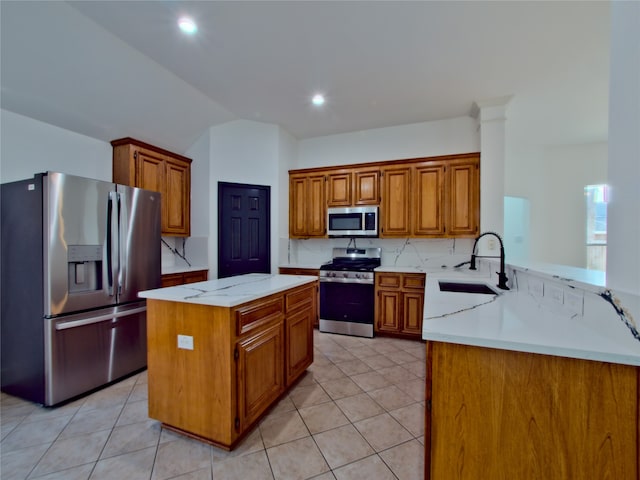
84 268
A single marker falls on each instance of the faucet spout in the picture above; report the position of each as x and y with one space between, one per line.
502 277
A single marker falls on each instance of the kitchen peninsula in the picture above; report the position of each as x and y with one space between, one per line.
541 381
221 352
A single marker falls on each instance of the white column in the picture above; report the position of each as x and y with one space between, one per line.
491 115
623 212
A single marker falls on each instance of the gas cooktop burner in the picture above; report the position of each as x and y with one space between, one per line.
351 265
353 260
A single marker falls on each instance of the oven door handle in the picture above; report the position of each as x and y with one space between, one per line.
363 281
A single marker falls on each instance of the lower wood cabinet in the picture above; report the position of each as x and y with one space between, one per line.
503 414
399 303
243 359
260 372
305 271
173 279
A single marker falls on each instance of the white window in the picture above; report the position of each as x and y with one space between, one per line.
596 197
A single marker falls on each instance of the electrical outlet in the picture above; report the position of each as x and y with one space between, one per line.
536 287
492 243
185 342
574 301
555 293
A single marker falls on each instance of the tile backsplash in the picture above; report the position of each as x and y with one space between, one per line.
401 252
194 250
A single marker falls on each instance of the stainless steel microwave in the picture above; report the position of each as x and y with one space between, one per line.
352 222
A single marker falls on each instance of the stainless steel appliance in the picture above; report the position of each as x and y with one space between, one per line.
352 222
347 298
75 254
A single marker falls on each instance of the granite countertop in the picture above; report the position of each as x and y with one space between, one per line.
602 328
229 292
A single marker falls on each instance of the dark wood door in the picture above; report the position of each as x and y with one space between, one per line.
243 229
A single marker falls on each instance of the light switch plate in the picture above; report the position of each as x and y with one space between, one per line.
185 342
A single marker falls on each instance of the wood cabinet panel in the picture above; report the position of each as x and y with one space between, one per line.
312 294
257 314
173 279
260 372
502 414
307 206
196 276
299 343
352 187
177 188
149 171
389 312
339 189
412 308
366 185
464 199
139 164
193 390
395 209
428 194
399 303
299 271
317 207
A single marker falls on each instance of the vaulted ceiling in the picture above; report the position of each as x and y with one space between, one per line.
109 69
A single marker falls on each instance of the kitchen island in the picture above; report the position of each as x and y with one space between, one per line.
221 352
541 381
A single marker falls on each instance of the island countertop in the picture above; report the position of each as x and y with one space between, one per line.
601 327
229 292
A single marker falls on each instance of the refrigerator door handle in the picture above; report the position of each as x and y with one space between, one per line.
112 241
119 203
98 319
109 246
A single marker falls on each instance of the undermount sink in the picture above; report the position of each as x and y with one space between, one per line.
466 287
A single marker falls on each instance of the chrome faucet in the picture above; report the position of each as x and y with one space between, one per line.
502 277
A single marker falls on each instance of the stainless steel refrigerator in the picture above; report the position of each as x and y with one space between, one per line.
75 254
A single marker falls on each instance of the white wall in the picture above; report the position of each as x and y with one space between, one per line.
623 251
288 154
426 139
247 152
28 146
553 180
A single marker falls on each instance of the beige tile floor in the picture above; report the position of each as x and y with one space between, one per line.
357 413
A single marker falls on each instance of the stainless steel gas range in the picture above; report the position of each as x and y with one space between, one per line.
347 298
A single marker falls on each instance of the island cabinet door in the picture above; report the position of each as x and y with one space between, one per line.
299 343
260 373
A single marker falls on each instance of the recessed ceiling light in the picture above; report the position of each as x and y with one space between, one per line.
318 99
187 25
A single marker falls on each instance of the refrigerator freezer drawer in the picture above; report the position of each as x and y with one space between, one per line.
87 351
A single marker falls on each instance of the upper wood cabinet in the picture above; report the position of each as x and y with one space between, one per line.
139 164
463 198
432 198
395 209
351 187
420 197
307 205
